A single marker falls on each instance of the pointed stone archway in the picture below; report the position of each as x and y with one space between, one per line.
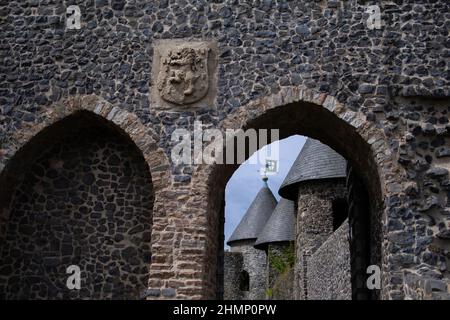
77 189
302 111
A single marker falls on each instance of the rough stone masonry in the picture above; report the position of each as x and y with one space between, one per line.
380 97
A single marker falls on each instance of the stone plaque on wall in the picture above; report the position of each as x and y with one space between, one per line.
184 74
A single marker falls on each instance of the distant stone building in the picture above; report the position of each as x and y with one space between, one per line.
317 182
251 269
316 220
277 240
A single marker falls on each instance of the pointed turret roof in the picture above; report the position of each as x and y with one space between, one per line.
281 225
316 161
256 216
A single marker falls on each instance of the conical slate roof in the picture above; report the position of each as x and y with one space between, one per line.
256 216
316 161
280 226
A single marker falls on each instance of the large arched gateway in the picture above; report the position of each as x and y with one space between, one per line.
90 108
323 118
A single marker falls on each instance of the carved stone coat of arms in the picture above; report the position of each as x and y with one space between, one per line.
183 77
184 72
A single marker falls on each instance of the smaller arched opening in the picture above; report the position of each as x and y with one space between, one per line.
78 196
244 281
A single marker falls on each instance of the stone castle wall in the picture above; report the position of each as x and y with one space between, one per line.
233 266
255 263
271 273
281 284
328 271
379 97
314 224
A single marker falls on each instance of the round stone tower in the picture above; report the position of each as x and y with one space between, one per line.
252 282
277 240
316 182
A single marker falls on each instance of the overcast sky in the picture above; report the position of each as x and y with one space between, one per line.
246 181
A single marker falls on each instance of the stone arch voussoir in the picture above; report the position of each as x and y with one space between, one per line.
389 172
141 135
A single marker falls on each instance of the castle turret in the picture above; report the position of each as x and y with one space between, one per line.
256 216
277 240
251 270
316 161
316 182
280 228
